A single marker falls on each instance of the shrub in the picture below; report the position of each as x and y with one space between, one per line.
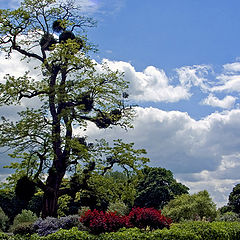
3 236
63 205
119 207
23 228
191 207
82 210
25 216
174 233
3 220
232 228
123 234
51 225
147 217
206 230
99 222
64 234
229 217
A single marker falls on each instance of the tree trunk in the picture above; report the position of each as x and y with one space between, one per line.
50 200
51 193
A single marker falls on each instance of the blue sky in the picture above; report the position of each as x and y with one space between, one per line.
182 59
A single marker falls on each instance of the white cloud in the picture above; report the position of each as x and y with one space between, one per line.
202 154
150 85
228 83
232 67
229 79
195 75
226 102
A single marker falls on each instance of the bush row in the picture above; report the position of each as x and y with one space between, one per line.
99 222
183 231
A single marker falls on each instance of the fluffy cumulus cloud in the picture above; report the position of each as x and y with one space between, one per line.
202 154
152 84
227 102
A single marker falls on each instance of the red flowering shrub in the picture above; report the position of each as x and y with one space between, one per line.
99 222
147 217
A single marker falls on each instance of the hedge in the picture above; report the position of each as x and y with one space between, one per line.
182 231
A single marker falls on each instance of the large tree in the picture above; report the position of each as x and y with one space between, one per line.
71 91
156 187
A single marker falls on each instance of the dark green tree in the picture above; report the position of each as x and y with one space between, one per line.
157 187
234 199
71 90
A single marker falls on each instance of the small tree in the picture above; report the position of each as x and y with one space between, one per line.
71 90
191 207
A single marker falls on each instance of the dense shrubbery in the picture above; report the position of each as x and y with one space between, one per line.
229 217
50 225
99 222
184 231
119 207
147 217
3 220
23 221
23 228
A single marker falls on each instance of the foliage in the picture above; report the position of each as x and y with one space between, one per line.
71 91
4 220
174 233
35 204
232 228
191 207
26 216
147 217
228 217
82 210
63 205
211 231
192 230
157 187
3 236
70 234
119 207
23 228
50 225
99 222
125 233
234 199
25 188
10 204
108 189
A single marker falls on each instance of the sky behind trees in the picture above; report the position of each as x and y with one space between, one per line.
182 59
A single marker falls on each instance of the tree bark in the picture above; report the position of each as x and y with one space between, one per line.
51 194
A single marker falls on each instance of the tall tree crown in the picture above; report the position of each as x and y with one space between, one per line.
70 91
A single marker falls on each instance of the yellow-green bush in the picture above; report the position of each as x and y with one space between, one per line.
3 236
184 231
